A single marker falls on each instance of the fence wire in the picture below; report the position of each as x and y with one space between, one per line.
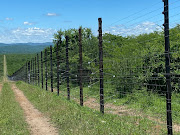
134 74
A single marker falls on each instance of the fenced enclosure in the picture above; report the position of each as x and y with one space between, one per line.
135 77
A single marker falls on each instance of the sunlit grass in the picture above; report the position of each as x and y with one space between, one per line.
12 120
71 118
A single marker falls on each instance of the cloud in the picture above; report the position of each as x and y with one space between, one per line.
144 27
52 14
22 35
28 23
9 19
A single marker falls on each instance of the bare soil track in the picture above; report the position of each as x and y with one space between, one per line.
39 125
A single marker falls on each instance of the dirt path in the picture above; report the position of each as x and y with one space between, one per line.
38 124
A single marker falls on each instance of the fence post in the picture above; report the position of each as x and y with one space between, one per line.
101 67
38 67
57 57
80 67
67 67
33 69
24 75
168 74
26 72
35 73
42 69
51 69
46 74
29 74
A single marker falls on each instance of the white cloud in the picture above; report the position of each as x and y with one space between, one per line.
9 19
22 35
144 27
28 23
52 14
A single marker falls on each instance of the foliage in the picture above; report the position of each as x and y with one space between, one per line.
130 63
16 61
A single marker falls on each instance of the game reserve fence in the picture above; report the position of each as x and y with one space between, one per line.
112 74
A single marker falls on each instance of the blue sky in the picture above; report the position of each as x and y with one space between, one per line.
37 20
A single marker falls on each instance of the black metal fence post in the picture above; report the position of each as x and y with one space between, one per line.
57 57
38 68
101 66
42 70
168 74
80 67
35 72
67 67
29 74
26 73
46 74
51 68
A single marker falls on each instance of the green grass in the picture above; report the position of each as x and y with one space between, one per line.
70 118
147 103
150 104
12 121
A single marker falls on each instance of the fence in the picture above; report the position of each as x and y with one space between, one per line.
126 74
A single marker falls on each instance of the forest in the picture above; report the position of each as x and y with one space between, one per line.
130 63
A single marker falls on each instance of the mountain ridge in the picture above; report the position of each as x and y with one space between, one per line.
23 48
29 43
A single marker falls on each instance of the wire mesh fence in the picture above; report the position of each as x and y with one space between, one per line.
133 78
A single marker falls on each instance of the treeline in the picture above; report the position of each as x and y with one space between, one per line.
130 63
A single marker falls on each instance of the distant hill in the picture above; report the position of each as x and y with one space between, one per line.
22 48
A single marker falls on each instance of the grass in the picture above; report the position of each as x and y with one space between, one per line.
70 118
12 120
150 104
147 103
